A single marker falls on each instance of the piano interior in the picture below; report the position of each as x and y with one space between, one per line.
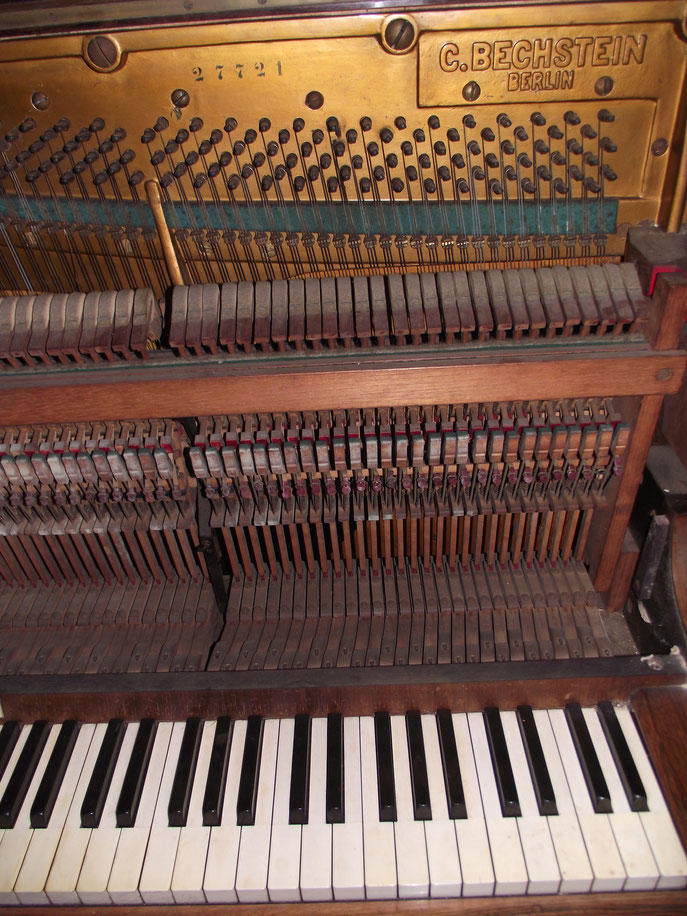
333 340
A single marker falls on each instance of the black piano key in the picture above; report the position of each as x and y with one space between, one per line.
624 762
386 784
455 795
300 771
9 735
589 762
335 769
250 773
99 783
213 800
134 778
541 781
180 796
422 809
503 772
48 790
20 780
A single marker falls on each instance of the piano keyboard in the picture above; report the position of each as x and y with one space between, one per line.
344 808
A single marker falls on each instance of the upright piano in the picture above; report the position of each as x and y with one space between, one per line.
333 339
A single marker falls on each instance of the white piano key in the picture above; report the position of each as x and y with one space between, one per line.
634 848
133 841
189 866
379 849
254 849
316 835
504 841
348 871
411 850
219 883
442 847
285 849
15 841
102 845
657 822
471 832
12 762
609 872
30 884
66 867
155 885
571 852
535 837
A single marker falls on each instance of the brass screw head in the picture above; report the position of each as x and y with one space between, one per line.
180 98
471 91
399 33
40 100
314 100
604 85
101 53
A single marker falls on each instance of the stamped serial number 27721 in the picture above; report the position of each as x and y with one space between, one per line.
241 71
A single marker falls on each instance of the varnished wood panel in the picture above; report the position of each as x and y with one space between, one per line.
662 717
603 569
324 383
355 691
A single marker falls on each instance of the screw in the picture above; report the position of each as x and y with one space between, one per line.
102 52
314 100
664 374
399 34
180 98
471 91
40 101
659 147
604 85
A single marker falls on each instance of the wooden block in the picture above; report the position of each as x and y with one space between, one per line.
498 298
568 300
53 344
378 305
121 329
430 303
297 313
245 312
280 314
516 302
361 309
397 304
481 304
263 309
555 319
585 299
178 318
313 313
227 319
447 302
209 326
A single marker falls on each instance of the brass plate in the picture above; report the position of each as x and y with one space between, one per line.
559 63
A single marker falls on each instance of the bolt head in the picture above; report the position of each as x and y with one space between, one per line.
604 85
102 52
659 147
314 100
180 98
399 34
472 91
40 100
